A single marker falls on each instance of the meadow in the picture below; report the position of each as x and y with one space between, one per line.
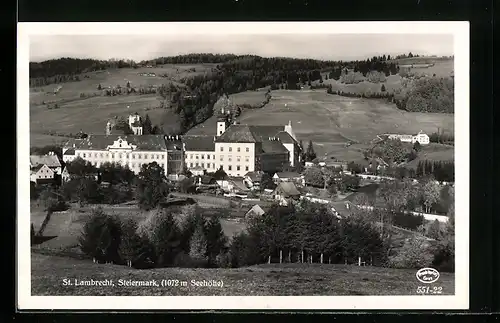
48 271
331 121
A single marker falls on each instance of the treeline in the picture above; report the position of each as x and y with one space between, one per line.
69 69
429 94
443 171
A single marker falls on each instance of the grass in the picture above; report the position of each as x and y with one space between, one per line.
48 272
330 120
253 98
91 114
436 152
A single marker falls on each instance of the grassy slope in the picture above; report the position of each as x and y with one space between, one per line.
330 120
90 114
47 273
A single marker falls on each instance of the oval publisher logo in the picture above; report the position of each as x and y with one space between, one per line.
427 275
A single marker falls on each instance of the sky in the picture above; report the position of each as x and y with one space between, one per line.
317 46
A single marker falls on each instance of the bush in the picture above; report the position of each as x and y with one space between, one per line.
408 221
414 254
444 257
134 250
223 260
100 238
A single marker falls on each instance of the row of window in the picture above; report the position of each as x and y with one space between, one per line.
193 156
120 155
238 158
237 149
238 167
191 165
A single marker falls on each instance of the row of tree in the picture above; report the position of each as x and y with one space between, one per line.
429 94
443 171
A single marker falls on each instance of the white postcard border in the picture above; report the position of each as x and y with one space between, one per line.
460 300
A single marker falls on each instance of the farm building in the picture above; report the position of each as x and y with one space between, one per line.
41 173
253 179
296 178
285 193
420 137
51 161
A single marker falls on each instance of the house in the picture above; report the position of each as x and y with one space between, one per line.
197 171
50 160
68 174
253 179
199 151
289 177
256 210
286 192
41 173
342 209
337 164
420 137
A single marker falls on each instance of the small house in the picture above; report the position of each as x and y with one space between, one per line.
41 173
50 160
286 192
289 177
255 211
253 179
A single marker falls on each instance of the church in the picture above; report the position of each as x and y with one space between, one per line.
236 148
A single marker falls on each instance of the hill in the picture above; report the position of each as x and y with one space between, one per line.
47 273
331 121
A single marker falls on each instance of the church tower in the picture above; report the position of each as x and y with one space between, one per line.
109 127
222 124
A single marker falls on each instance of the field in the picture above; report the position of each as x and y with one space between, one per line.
441 67
47 273
330 120
91 114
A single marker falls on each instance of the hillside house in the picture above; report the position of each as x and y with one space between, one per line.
255 211
50 160
286 193
419 137
41 173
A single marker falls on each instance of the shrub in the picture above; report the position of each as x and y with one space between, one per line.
444 256
198 244
223 260
414 254
100 238
408 221
134 250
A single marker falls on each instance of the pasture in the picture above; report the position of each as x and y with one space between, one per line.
253 98
47 273
330 120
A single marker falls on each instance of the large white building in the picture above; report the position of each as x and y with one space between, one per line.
420 137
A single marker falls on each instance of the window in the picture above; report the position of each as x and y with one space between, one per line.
238 167
247 159
208 156
202 156
78 154
139 156
229 167
238 158
238 149
133 165
95 155
84 155
208 165
107 155
112 156
145 156
229 158
247 149
221 148
101 155
157 156
222 167
213 165
191 165
220 132
197 164
203 165
246 168
197 157
133 156
119 155
162 156
230 148
221 158
127 156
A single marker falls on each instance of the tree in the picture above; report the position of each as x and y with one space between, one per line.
100 236
80 168
147 126
314 177
382 88
128 84
99 87
434 230
198 244
151 186
310 153
122 125
216 240
431 193
414 254
134 250
417 147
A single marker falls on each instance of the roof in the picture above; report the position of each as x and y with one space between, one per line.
206 179
288 175
49 160
101 142
37 168
255 176
239 184
285 137
237 133
69 152
273 147
262 133
288 189
342 208
256 210
199 143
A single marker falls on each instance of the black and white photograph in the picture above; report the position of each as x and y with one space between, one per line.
245 165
